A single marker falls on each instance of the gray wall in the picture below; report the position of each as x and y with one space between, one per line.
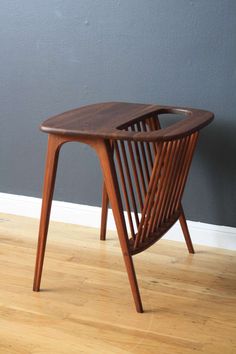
60 54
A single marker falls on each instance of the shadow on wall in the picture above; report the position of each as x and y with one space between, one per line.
213 172
79 177
216 153
210 194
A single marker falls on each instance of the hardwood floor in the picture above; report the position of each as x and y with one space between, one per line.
86 306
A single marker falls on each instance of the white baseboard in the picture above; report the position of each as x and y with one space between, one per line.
201 233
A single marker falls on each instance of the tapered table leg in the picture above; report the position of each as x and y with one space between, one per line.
105 202
105 155
49 183
185 230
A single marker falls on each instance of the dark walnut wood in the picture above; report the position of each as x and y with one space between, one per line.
145 169
109 120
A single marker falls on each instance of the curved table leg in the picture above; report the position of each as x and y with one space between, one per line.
105 202
54 144
185 230
105 156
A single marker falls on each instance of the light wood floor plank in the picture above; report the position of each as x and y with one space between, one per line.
85 305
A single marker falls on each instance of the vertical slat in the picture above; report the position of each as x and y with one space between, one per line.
192 144
150 195
160 198
156 123
139 163
174 176
147 144
166 186
184 149
181 177
130 184
135 173
144 157
152 128
153 208
123 184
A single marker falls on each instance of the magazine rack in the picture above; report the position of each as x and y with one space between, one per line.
144 168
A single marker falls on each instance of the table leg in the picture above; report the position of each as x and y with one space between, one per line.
105 202
104 151
185 230
54 144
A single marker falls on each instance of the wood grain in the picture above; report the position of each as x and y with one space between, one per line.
84 308
109 120
111 129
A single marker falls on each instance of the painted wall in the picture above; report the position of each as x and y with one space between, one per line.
60 54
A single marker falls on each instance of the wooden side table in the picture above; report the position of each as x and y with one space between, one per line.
144 168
